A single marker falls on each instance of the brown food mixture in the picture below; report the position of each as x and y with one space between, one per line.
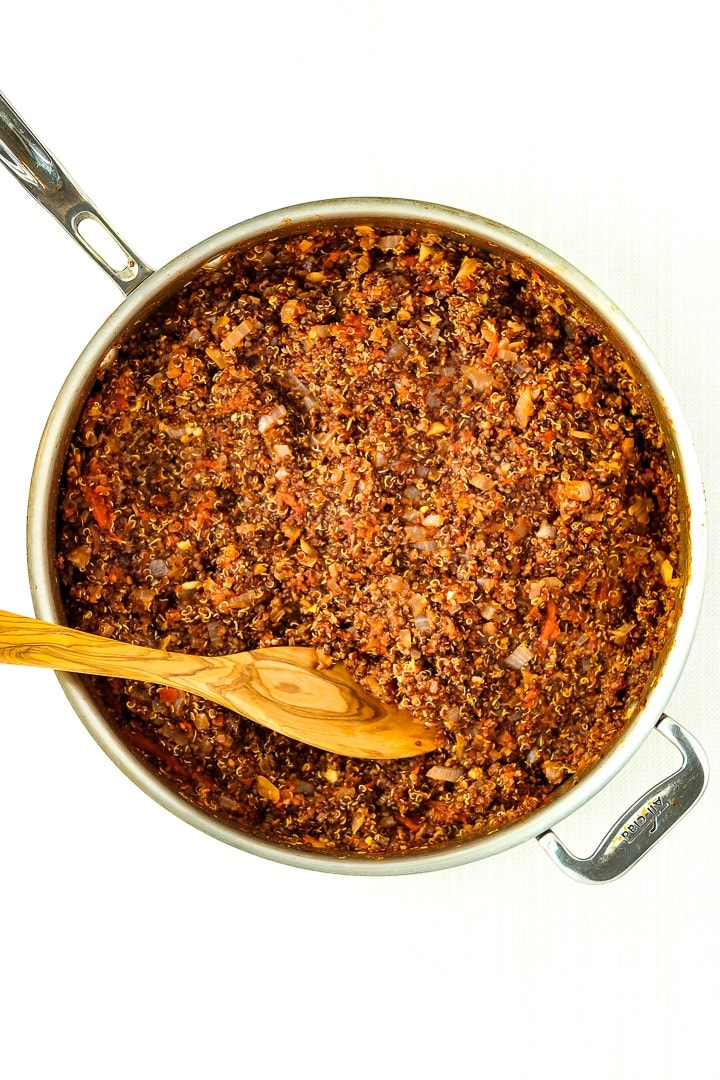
416 457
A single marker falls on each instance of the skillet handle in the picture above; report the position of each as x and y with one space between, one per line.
46 180
646 821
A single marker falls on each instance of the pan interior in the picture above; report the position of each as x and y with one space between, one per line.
100 353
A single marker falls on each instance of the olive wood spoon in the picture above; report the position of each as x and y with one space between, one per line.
281 688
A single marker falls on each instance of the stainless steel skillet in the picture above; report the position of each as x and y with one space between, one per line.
654 813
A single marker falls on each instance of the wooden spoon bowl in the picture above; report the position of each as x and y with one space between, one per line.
282 688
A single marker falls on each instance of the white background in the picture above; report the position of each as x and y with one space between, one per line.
133 946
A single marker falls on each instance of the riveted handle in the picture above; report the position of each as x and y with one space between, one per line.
22 153
646 821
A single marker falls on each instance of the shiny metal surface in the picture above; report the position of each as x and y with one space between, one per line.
645 822
147 289
45 179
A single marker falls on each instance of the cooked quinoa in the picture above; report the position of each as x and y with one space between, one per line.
417 457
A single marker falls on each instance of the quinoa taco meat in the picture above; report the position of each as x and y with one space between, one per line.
418 457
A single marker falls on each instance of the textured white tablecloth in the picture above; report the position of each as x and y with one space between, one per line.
132 946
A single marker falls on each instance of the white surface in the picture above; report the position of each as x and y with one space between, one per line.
131 945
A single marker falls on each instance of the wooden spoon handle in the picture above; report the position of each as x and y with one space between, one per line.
40 644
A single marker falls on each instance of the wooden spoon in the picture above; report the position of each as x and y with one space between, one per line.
281 688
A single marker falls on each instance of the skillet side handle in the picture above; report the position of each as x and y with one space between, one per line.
644 823
22 153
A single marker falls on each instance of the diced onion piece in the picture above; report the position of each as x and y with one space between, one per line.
187 588
242 600
288 310
619 635
319 332
440 772
308 549
524 407
80 556
237 335
213 264
481 481
519 531
398 350
480 378
667 573
537 588
489 332
142 598
266 789
387 243
579 490
276 415
518 658
109 358
428 547
554 772
467 267
546 531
